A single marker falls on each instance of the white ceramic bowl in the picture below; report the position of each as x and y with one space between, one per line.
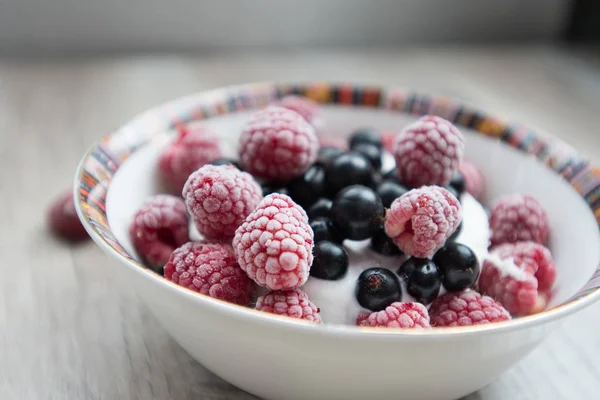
282 358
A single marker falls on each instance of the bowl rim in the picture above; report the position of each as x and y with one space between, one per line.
103 158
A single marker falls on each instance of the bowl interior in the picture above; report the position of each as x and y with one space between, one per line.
575 238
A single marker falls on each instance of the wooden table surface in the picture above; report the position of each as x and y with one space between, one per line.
70 330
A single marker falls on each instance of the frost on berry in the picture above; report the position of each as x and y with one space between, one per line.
219 198
420 221
515 288
533 258
210 269
159 227
292 303
192 148
466 308
428 152
397 315
277 144
274 245
518 217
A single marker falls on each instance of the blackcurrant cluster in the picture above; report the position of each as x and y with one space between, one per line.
455 266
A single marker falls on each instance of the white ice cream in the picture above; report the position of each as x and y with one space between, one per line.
336 298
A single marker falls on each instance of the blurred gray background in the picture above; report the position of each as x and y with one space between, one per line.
75 26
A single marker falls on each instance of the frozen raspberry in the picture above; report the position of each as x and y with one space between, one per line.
210 269
420 221
62 218
466 308
513 287
428 152
292 303
277 144
219 198
158 228
474 179
192 148
274 246
397 315
532 257
309 109
387 140
516 218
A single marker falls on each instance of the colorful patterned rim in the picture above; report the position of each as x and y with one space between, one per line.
103 160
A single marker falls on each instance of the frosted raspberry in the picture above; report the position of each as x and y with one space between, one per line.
428 152
277 144
192 148
474 179
516 218
158 228
466 308
292 303
219 198
532 257
420 221
309 109
513 287
397 315
274 245
62 218
210 269
387 140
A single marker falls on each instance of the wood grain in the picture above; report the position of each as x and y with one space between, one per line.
72 331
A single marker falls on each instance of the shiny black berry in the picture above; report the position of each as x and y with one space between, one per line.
455 233
268 188
357 212
389 191
348 169
392 175
327 154
226 161
458 265
323 229
372 152
381 243
330 261
423 279
377 288
321 208
458 182
365 135
308 187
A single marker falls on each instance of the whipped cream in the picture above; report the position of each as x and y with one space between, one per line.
336 299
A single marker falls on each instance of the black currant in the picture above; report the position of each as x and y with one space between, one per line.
423 279
226 161
459 266
455 233
381 243
365 135
372 152
458 182
357 212
323 229
328 153
321 208
308 187
377 288
348 169
389 191
330 261
392 175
